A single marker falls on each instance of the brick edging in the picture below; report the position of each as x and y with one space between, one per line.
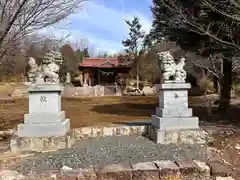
163 169
140 171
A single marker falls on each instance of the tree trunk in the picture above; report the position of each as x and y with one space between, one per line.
215 84
202 82
137 75
219 85
226 85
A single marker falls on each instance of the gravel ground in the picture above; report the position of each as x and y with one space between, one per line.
109 150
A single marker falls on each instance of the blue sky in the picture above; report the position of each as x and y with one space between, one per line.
102 23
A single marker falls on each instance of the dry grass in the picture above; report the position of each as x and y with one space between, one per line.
85 111
105 110
5 88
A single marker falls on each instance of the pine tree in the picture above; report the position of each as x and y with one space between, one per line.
136 35
134 42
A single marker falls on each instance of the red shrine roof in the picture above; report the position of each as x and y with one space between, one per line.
100 62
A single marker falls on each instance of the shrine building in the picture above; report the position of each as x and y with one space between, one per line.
102 71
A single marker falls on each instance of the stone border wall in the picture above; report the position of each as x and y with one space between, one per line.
188 136
101 131
155 170
192 136
91 132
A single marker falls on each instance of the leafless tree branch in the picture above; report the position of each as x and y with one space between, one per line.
198 28
20 18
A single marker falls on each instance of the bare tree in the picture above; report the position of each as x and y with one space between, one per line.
215 24
35 45
205 68
92 50
80 44
19 18
229 9
84 44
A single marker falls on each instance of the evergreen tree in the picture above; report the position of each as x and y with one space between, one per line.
136 35
70 61
134 42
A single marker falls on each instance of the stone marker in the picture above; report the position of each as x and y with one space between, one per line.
45 126
173 122
68 79
45 117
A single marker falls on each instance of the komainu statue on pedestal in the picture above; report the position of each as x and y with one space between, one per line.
48 71
171 71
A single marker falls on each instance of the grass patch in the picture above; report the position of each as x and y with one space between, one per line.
95 111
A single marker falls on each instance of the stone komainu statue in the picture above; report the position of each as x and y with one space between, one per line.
48 71
34 70
171 71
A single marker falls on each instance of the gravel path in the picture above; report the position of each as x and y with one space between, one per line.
109 150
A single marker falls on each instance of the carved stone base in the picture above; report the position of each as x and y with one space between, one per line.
188 136
44 129
39 144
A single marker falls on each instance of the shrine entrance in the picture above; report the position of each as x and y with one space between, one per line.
102 71
105 76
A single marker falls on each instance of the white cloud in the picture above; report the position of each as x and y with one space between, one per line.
110 19
103 18
74 36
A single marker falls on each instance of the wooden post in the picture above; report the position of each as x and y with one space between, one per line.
98 77
137 75
81 78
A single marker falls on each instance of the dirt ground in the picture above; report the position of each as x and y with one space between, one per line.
86 111
110 110
92 111
116 110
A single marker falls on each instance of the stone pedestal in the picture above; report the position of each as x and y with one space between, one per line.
173 122
45 121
